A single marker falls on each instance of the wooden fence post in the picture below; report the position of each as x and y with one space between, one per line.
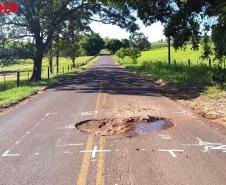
48 72
189 62
4 81
210 62
18 79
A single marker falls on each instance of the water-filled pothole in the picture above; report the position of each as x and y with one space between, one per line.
124 127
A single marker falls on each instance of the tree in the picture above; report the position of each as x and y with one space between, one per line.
206 47
139 41
219 39
57 47
50 57
182 19
121 53
91 44
42 20
72 36
133 53
113 45
125 43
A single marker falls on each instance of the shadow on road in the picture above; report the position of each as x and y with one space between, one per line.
116 81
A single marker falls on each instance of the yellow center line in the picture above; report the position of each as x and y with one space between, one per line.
85 163
87 156
100 179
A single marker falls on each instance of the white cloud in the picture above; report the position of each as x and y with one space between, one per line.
154 32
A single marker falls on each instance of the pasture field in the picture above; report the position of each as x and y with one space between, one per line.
27 65
154 64
12 94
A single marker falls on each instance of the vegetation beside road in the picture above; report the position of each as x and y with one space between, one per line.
194 84
14 94
154 64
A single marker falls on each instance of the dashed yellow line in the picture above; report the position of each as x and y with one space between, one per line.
100 178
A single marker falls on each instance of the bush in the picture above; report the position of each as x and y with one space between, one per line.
133 53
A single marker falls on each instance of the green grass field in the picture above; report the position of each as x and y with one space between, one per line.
14 94
25 68
27 65
181 56
154 64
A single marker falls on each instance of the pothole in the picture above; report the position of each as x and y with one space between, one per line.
130 127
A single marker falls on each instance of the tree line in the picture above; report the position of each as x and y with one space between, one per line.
45 26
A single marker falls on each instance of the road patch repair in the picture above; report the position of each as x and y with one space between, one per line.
128 127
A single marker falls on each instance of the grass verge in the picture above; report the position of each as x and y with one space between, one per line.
15 95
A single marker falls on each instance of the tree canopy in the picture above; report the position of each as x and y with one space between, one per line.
43 20
184 20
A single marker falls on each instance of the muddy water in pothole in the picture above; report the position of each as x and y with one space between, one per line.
152 126
130 127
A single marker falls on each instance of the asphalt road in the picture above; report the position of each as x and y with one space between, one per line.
40 145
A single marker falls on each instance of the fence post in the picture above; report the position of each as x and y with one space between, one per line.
210 62
48 72
189 62
35 74
18 79
4 81
175 63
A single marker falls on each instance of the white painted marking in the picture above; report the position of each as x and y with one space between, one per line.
49 114
36 153
165 137
94 151
6 154
66 127
67 152
172 152
27 133
66 145
59 140
18 142
143 149
90 113
208 146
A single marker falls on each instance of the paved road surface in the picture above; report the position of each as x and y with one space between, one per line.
39 144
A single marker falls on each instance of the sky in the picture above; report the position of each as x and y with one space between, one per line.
154 32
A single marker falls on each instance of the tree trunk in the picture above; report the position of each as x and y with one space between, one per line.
50 64
36 76
169 52
50 56
73 62
37 68
57 63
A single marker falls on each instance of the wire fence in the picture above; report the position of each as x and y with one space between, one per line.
14 79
